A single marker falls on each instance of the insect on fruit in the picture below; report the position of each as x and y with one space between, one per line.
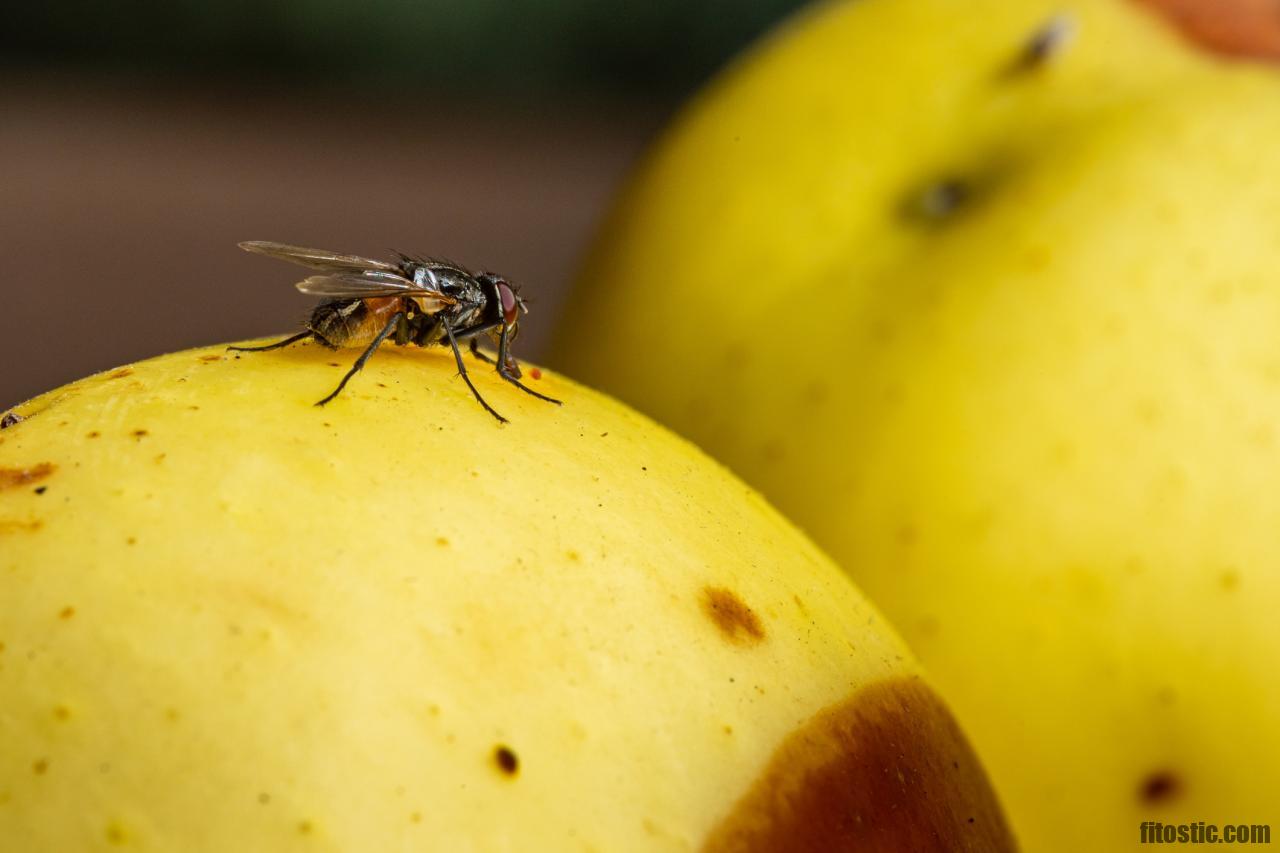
421 301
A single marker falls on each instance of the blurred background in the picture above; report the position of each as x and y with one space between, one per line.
140 142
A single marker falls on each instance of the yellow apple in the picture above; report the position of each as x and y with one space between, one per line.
230 620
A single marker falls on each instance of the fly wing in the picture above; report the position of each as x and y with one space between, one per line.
316 259
370 283
434 262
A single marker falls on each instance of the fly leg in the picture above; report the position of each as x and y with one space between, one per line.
505 363
475 350
462 371
293 339
404 333
512 367
355 368
472 334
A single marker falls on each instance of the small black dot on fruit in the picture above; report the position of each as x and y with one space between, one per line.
506 759
1160 786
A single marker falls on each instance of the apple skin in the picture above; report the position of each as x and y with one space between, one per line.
1004 337
233 621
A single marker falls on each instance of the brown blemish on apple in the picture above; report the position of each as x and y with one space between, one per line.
116 834
121 373
211 358
773 450
11 525
737 622
11 478
1160 787
67 613
1234 28
506 759
886 770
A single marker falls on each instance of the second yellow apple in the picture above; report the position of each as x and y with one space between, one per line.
986 296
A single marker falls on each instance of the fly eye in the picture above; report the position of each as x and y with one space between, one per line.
510 306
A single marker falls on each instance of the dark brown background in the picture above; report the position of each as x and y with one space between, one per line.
121 204
140 141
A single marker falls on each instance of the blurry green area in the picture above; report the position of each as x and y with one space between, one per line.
584 46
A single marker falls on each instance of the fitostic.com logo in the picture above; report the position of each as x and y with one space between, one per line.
1154 832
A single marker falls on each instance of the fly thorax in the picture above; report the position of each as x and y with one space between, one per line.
425 277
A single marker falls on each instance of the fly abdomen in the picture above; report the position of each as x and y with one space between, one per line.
334 321
352 322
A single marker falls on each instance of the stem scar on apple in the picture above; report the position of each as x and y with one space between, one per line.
1045 43
940 200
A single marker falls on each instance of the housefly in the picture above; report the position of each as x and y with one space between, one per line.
422 301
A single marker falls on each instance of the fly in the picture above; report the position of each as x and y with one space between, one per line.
420 301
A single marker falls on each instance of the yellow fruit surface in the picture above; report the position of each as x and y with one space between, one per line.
1004 337
233 621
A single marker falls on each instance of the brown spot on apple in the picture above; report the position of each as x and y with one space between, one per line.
506 760
1160 787
116 834
1238 28
885 770
11 478
737 622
